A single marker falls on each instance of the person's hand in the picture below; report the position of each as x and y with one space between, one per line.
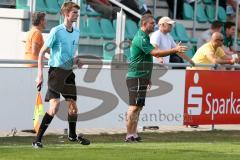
39 81
232 61
180 48
77 61
235 58
160 60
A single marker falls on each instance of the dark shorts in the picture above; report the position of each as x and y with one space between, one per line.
62 82
137 88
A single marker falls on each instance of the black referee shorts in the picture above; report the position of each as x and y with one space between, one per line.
62 82
137 88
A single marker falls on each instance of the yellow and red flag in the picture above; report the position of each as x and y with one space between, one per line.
38 113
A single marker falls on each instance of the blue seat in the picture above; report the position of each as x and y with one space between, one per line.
107 28
108 50
83 28
83 8
41 6
208 1
210 11
201 15
173 34
60 2
94 28
49 6
125 46
187 11
127 36
53 6
131 28
222 16
190 53
183 35
127 53
22 4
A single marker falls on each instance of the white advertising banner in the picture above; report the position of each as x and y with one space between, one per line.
102 98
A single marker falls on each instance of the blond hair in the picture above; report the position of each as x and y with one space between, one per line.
67 7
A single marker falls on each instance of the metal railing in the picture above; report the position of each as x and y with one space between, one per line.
126 8
87 61
120 31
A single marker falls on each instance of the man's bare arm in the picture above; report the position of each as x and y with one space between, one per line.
42 52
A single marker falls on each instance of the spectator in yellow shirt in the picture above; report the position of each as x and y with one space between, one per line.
34 40
212 53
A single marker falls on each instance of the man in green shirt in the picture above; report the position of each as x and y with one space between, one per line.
139 72
228 33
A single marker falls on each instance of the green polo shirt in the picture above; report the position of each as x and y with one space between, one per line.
141 61
227 41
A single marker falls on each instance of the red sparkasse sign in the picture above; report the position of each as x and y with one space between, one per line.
212 97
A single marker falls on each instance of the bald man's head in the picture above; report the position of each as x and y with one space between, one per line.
217 35
217 39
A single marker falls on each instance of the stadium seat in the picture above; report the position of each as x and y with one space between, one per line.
201 16
53 6
126 49
187 11
208 1
60 2
183 35
190 53
193 40
127 36
108 50
210 11
83 28
83 8
131 28
127 54
107 28
41 6
22 4
222 16
173 34
94 28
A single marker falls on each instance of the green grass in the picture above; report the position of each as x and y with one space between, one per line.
205 145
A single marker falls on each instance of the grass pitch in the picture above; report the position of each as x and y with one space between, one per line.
201 145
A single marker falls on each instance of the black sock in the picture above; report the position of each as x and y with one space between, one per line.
72 121
44 125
